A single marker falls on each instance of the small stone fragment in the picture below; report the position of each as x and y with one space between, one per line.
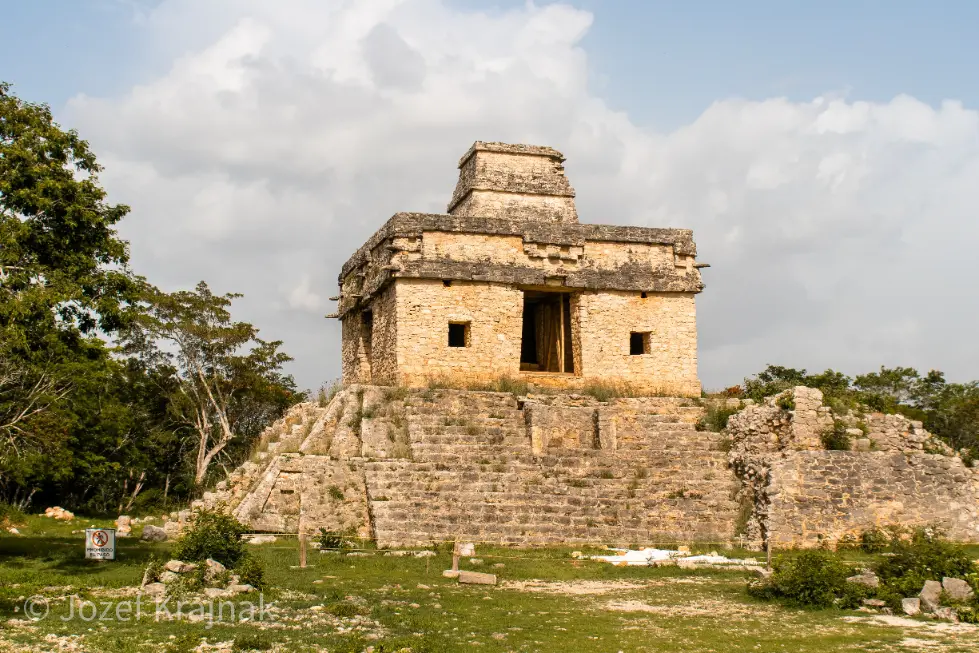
477 578
911 607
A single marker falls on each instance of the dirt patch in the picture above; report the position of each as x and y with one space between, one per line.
698 608
593 587
573 588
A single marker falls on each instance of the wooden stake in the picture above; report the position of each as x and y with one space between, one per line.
302 550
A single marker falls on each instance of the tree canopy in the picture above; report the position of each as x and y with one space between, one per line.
83 423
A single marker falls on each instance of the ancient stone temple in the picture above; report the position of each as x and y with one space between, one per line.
509 283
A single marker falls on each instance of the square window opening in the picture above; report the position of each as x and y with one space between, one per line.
458 334
638 343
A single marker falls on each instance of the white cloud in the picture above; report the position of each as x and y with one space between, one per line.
840 232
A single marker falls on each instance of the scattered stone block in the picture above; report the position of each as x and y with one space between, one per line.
931 593
867 578
477 578
154 589
957 589
168 577
213 569
874 603
236 589
179 566
946 614
911 606
153 533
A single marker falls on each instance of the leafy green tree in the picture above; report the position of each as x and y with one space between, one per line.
64 278
229 382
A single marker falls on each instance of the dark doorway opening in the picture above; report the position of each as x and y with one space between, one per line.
546 345
458 334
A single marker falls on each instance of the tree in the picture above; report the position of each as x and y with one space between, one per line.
229 382
64 277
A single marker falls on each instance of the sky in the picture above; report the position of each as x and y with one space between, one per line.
826 154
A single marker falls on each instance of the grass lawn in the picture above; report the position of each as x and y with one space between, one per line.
546 601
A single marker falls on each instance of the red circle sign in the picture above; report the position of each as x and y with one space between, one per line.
100 538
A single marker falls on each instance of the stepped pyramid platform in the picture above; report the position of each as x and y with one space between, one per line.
412 467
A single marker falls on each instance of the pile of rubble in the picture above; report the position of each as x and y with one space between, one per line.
929 601
215 580
59 513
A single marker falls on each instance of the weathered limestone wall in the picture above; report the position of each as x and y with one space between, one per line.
608 317
820 496
803 495
426 307
384 349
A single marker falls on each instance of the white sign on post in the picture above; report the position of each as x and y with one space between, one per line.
100 543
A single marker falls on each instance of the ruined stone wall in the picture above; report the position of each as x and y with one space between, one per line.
820 496
425 307
606 321
802 495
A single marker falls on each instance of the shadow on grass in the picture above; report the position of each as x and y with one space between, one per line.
68 554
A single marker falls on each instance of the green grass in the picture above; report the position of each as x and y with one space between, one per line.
547 601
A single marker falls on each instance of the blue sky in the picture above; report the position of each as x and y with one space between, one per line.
663 62
826 154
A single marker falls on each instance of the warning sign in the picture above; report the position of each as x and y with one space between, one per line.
100 543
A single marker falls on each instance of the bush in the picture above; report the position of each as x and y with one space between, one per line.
214 535
786 402
836 438
715 417
925 556
252 642
11 515
813 578
875 540
250 571
330 539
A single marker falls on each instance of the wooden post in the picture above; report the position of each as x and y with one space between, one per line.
768 551
302 550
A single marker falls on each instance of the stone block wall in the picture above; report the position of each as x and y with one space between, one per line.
426 307
802 495
670 319
820 496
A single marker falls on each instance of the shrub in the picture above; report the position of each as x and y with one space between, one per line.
715 417
813 578
836 438
11 515
250 571
925 556
252 642
786 402
213 534
875 540
330 539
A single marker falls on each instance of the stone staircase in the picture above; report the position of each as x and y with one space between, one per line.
474 474
410 468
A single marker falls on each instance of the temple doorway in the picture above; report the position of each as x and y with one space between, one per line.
546 342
